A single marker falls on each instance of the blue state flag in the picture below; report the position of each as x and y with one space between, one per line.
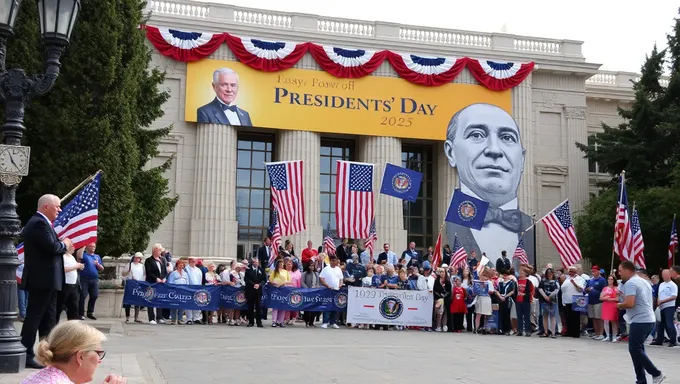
466 210
401 182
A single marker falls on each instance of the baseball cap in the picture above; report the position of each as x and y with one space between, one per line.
595 267
426 265
445 266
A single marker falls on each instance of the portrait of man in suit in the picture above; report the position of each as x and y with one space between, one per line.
223 109
483 143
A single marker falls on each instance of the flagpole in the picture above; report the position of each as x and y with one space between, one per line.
79 186
671 236
623 180
533 217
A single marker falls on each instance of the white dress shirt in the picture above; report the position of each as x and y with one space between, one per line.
232 117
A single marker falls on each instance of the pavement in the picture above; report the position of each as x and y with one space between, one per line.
196 354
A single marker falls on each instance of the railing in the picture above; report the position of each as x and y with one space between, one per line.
226 14
618 79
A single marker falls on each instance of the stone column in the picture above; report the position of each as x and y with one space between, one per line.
305 146
447 182
389 211
214 227
578 165
521 112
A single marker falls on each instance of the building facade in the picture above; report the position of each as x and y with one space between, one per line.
218 170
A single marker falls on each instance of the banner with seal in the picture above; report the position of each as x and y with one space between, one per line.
389 307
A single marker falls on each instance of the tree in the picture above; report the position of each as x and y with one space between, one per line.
97 116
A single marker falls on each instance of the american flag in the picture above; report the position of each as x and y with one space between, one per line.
20 268
459 257
437 254
623 235
78 220
328 242
562 233
521 253
673 244
275 234
638 243
369 243
287 195
354 209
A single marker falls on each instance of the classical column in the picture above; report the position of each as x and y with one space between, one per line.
389 211
578 165
214 227
447 181
521 112
305 146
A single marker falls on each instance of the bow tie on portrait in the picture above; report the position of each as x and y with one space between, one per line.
229 107
510 219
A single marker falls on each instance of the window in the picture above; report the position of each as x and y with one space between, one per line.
593 166
253 201
418 216
331 151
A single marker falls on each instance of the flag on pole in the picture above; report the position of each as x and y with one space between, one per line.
288 195
437 254
673 244
623 236
369 243
521 253
638 243
20 268
562 233
328 242
401 182
354 209
79 218
459 256
275 235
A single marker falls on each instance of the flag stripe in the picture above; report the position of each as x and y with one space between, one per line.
288 195
562 233
672 244
354 208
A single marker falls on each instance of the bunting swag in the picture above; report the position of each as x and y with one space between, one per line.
267 56
184 46
214 297
499 75
428 71
346 63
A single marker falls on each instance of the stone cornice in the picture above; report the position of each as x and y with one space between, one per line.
550 169
577 113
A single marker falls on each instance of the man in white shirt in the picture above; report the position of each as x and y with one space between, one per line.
668 292
331 277
572 286
195 275
223 109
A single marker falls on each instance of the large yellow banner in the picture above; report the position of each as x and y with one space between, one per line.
310 100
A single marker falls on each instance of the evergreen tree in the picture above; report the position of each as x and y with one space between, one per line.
97 116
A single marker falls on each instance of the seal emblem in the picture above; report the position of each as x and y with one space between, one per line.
295 299
391 308
467 210
149 294
202 298
340 300
240 297
401 182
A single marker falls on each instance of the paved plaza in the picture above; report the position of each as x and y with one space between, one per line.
222 354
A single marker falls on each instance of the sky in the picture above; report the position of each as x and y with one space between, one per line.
616 35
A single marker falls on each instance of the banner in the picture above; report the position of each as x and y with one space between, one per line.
580 303
311 100
389 307
401 182
466 210
212 298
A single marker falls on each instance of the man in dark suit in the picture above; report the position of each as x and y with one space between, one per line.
264 252
255 280
413 256
342 252
156 272
483 144
43 276
223 109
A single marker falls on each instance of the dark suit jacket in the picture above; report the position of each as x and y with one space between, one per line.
43 256
418 258
213 113
253 277
341 253
470 244
262 256
152 271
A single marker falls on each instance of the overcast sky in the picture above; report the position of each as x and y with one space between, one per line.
616 35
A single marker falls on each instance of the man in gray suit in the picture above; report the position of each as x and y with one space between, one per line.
223 109
483 143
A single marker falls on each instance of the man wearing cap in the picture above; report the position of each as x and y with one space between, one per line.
195 275
429 277
594 288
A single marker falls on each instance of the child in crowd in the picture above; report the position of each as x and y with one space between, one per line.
458 305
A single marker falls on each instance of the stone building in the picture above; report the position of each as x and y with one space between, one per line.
218 172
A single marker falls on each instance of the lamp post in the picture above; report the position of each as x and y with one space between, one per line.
57 18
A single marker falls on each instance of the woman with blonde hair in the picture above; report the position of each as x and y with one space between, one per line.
212 278
178 277
71 353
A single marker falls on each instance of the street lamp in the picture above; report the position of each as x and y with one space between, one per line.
57 18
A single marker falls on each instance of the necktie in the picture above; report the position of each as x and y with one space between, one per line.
510 219
229 107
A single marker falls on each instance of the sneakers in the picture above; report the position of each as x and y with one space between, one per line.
152 322
606 339
659 379
335 326
600 337
161 321
324 325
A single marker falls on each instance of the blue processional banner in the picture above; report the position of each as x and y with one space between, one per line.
211 298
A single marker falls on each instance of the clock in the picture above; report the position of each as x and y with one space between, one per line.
14 159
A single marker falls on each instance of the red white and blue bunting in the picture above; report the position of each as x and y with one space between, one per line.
498 75
184 46
347 63
428 71
273 56
267 56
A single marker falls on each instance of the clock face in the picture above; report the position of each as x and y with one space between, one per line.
14 161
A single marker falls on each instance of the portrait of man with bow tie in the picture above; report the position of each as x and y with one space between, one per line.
223 109
483 143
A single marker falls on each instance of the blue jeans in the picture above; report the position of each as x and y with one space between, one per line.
666 324
176 314
90 287
330 317
523 317
636 347
23 302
